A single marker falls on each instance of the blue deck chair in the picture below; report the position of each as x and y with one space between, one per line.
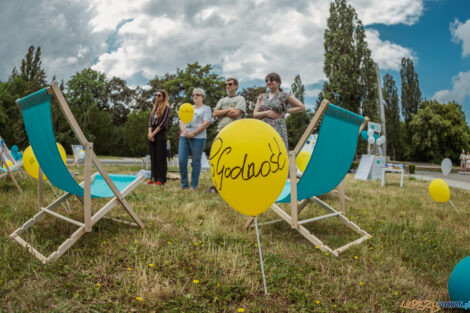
330 161
36 111
5 169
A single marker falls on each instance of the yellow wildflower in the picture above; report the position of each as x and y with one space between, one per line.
129 269
241 310
139 298
150 265
196 281
98 284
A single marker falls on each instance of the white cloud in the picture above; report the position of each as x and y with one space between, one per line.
387 54
246 39
459 92
388 12
461 33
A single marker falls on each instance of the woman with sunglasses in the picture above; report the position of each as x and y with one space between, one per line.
157 127
272 106
193 139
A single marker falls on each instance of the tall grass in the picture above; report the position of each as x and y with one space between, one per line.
195 256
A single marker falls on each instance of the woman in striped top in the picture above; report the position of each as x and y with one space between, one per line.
157 127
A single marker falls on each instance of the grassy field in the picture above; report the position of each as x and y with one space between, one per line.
195 256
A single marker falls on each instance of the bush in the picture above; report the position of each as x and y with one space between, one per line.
411 168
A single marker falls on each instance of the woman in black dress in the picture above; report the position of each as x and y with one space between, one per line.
157 127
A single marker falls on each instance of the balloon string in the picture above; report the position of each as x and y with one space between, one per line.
261 257
454 207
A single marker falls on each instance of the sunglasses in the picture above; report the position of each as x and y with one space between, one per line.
159 95
228 84
197 95
270 79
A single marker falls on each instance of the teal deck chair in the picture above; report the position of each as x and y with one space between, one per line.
36 111
328 165
9 170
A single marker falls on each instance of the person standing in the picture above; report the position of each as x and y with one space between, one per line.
193 139
463 158
168 147
229 108
272 106
157 127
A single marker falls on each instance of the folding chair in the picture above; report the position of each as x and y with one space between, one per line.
331 159
76 149
5 169
36 110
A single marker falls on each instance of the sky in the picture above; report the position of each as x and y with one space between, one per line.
136 40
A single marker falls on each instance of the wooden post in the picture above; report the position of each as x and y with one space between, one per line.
87 188
293 190
40 188
341 195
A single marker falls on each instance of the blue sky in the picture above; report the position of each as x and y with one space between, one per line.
438 58
136 40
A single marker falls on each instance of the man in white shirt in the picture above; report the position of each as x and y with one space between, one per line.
229 108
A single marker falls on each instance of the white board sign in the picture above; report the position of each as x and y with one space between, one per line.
375 126
377 166
364 167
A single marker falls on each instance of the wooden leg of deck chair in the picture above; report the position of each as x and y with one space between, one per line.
10 174
87 188
40 189
293 190
66 244
341 195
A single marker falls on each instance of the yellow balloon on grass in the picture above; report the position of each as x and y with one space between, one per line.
439 190
186 112
249 165
302 160
9 163
31 165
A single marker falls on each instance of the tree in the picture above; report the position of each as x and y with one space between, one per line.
135 129
120 98
439 131
392 116
251 94
410 92
297 123
88 99
352 82
29 79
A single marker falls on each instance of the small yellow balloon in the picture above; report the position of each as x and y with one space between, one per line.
186 112
9 163
31 165
249 165
302 160
439 190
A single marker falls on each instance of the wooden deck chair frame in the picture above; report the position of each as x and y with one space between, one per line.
296 207
89 220
9 170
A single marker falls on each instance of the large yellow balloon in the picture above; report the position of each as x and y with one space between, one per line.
302 160
249 165
31 164
186 112
439 190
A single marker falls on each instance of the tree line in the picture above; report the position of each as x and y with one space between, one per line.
114 116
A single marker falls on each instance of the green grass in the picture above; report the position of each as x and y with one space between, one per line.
194 235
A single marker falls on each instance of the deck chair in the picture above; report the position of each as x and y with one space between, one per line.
36 111
330 161
5 170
